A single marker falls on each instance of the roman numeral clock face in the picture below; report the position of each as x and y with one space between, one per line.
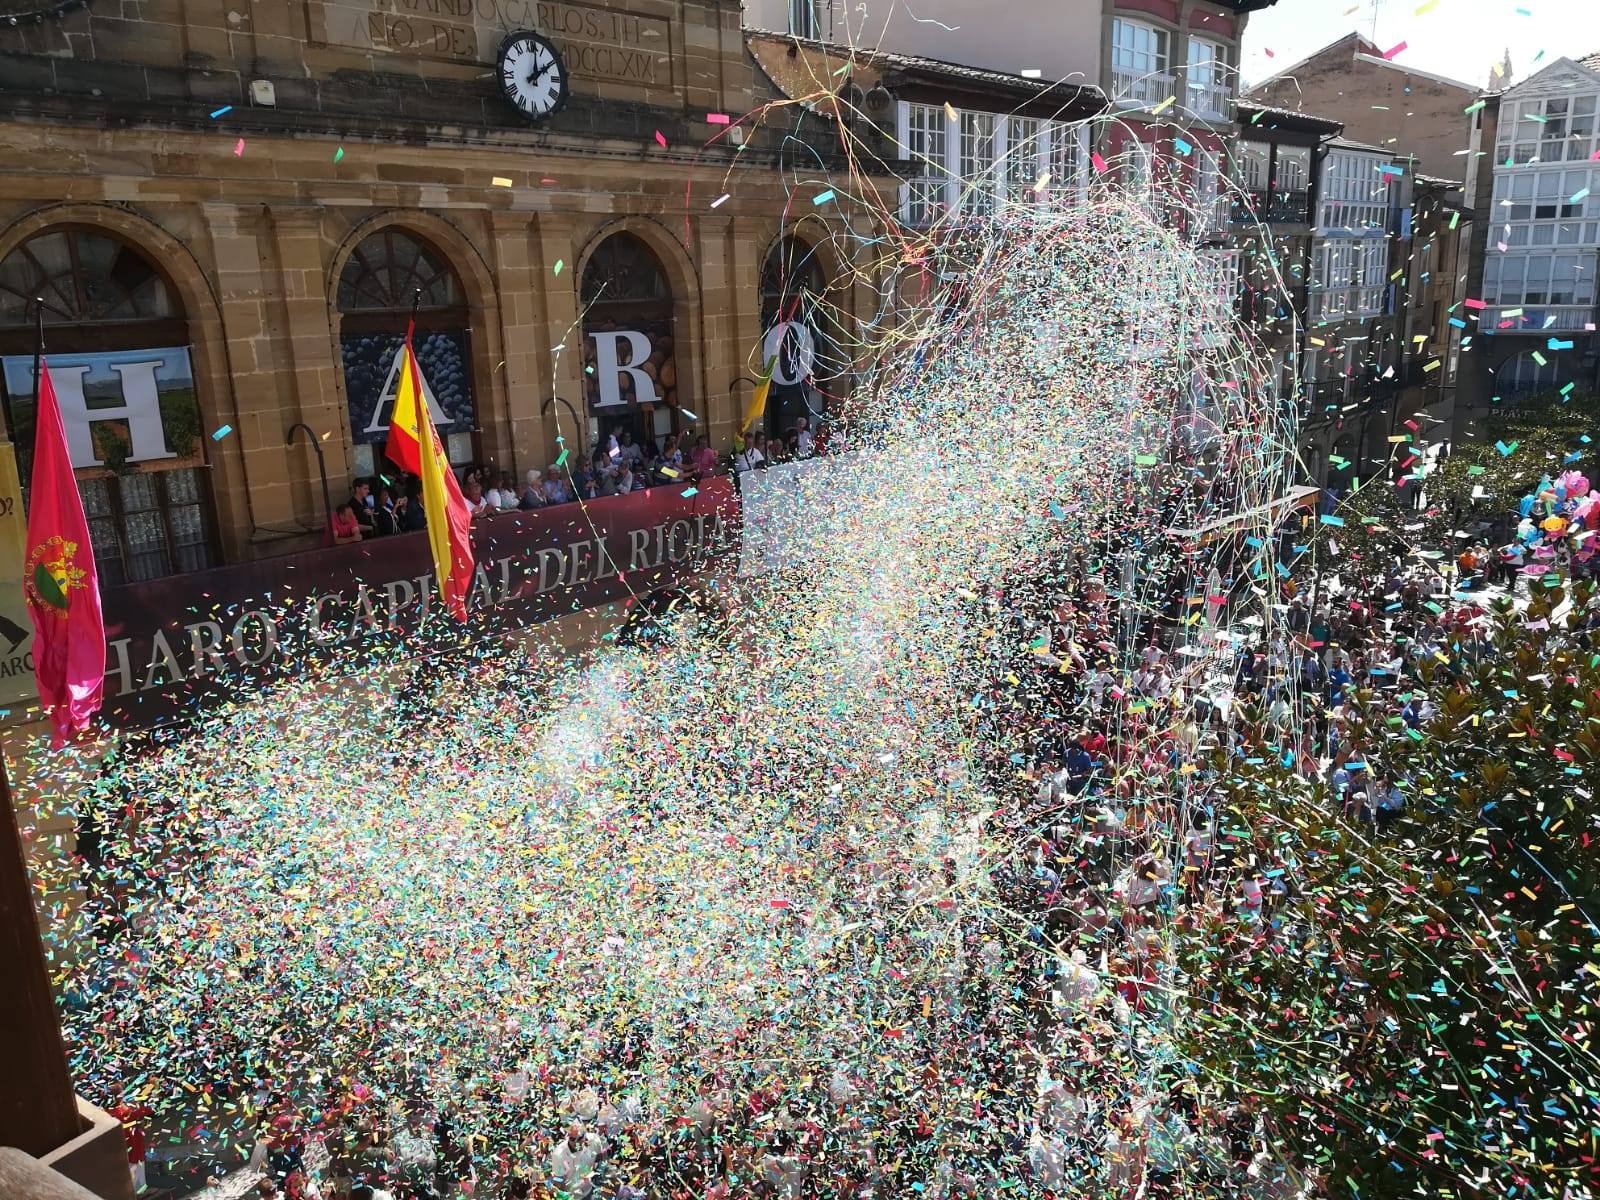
533 76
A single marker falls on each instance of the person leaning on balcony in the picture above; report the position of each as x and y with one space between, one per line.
750 457
532 491
343 526
413 516
362 503
476 504
384 518
555 487
704 458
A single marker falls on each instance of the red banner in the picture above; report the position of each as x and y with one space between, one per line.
171 639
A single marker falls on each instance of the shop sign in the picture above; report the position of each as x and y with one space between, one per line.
174 642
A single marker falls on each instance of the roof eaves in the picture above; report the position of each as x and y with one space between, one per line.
1378 60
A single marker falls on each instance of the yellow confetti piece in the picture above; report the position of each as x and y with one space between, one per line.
501 181
1164 105
950 110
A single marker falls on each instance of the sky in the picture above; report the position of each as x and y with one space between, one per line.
1461 39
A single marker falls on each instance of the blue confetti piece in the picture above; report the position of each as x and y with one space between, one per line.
1557 344
222 433
1181 146
1329 519
687 492
223 111
822 198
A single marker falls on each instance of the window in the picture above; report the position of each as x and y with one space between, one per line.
1136 168
630 368
797 334
1221 269
1547 130
1254 161
1139 62
389 273
1208 88
1349 278
977 163
1293 172
803 19
1538 283
118 352
1023 144
1210 201
1066 162
926 143
1524 376
1355 192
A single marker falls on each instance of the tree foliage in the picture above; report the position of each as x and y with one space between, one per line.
1417 1016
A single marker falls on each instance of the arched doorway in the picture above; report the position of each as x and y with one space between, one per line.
630 367
797 332
118 343
390 274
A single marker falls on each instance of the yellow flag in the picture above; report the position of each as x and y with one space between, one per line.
758 397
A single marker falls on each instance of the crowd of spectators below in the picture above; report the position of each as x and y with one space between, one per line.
377 508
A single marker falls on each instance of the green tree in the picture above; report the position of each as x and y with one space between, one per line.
1417 1018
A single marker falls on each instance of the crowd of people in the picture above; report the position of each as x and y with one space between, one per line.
620 464
1114 820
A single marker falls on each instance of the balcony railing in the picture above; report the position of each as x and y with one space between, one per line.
1528 318
1130 88
1211 102
1274 208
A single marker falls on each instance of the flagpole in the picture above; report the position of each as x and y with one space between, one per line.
38 1112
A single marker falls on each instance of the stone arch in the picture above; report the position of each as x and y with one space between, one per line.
231 493
833 317
688 307
486 347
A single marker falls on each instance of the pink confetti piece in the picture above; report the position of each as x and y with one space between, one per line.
1099 163
1389 56
1475 305
238 148
718 119
1271 54
662 138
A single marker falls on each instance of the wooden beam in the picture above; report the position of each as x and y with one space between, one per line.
37 1109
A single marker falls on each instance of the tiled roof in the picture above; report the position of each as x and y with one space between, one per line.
1248 108
1345 143
936 66
1592 61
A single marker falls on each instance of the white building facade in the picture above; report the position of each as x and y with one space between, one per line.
1543 235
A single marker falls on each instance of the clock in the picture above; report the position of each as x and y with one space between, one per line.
533 76
17 12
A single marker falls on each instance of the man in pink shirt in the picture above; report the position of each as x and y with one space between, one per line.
705 458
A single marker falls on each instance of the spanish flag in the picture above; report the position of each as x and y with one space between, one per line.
414 445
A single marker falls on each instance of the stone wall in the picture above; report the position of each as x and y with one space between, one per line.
252 213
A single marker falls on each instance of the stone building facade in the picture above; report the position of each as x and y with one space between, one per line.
232 207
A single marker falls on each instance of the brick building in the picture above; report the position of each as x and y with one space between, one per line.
1406 112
